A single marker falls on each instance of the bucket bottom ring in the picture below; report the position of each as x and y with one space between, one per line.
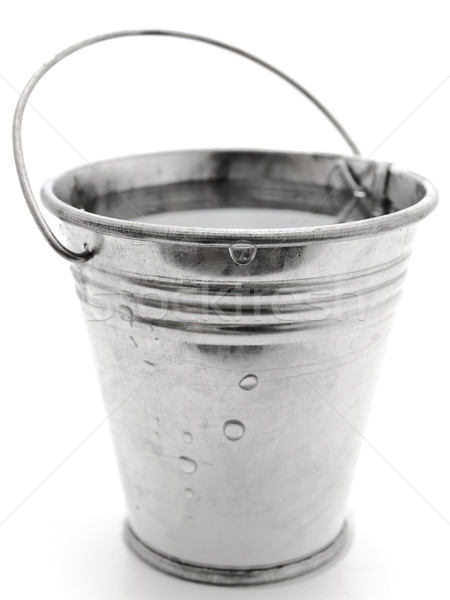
230 577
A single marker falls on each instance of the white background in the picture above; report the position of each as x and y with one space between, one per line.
384 69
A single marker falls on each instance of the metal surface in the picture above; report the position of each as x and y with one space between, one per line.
87 253
234 576
238 365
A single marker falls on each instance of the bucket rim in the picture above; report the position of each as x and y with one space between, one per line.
261 237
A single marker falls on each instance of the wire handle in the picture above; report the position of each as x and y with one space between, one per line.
22 103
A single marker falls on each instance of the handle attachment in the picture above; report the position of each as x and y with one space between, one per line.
22 103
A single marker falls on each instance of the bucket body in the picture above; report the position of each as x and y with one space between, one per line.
237 367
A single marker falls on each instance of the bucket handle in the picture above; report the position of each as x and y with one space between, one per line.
21 105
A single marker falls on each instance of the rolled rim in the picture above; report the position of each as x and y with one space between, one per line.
264 237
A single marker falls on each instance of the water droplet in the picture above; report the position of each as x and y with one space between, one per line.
248 382
157 437
156 422
242 253
189 493
187 464
125 313
187 437
234 430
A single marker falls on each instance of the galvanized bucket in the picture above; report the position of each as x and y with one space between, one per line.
237 363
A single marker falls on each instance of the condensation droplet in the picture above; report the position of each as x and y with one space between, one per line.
187 437
156 422
242 253
234 430
187 464
125 313
248 382
189 493
157 437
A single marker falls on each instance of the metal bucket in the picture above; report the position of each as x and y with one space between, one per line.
237 364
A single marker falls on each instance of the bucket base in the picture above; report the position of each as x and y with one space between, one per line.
220 576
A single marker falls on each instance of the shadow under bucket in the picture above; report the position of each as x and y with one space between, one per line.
237 362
